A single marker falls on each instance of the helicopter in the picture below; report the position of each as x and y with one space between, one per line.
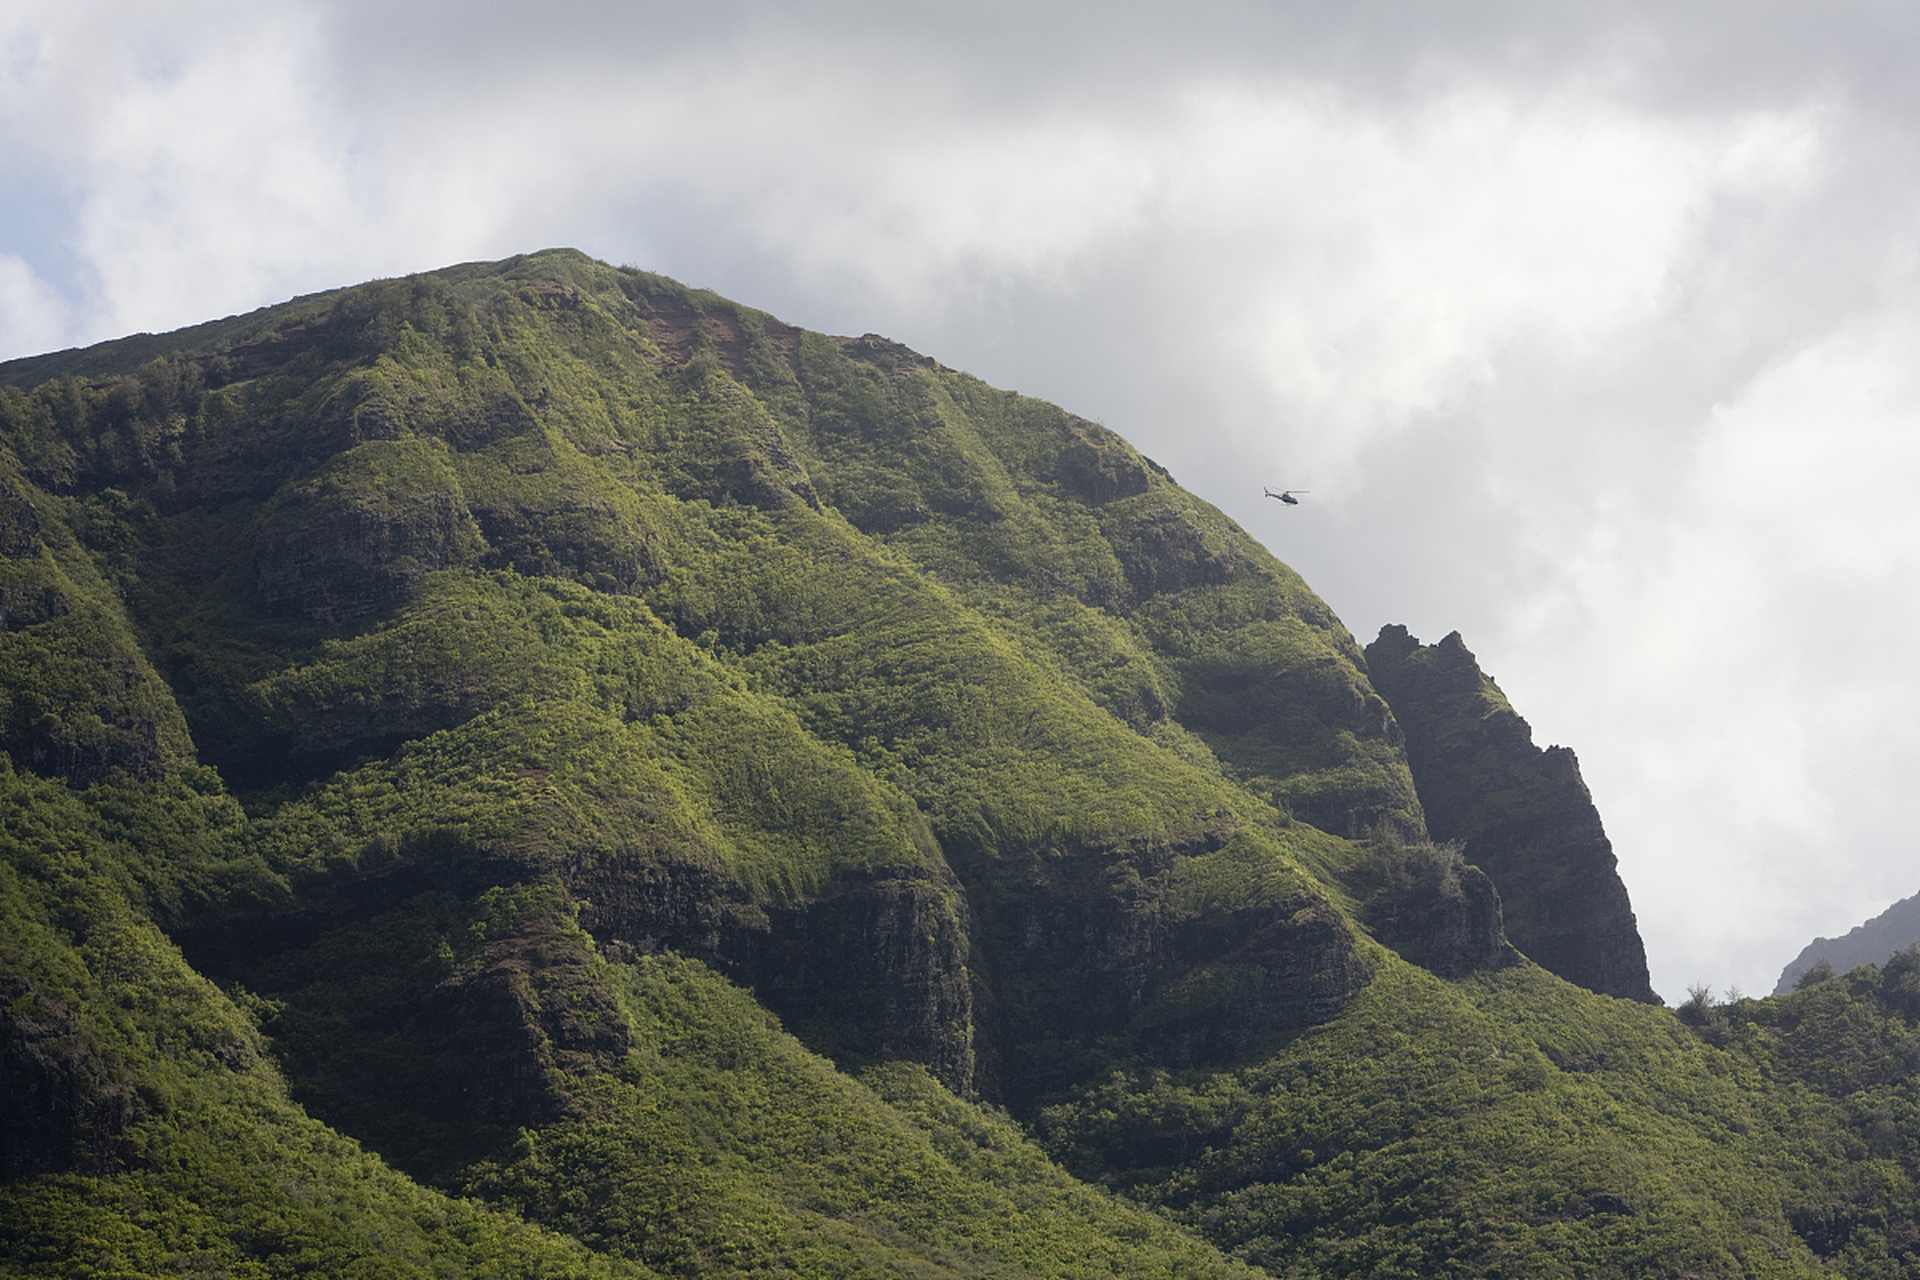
1285 495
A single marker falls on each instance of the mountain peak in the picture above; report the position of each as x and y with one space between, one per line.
1522 815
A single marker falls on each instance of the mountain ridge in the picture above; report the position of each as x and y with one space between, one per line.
1870 942
1522 814
634 787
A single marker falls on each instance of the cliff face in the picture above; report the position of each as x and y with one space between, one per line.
1521 814
1433 908
63 1103
1869 943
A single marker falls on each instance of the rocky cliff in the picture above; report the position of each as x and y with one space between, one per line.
1520 814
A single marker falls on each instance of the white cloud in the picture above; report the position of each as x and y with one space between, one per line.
1398 265
1752 649
33 316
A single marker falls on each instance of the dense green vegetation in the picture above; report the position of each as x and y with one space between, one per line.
532 769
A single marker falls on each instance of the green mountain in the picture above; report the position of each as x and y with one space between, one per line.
531 769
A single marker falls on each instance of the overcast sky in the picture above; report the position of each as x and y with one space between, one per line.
1591 328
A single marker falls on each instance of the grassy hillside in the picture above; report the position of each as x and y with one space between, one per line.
532 768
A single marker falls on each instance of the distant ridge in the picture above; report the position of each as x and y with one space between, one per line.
1869 943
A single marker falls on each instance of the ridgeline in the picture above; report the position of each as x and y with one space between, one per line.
531 769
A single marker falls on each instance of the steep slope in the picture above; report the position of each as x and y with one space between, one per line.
562 531
518 620
668 778
1870 943
1521 814
144 1127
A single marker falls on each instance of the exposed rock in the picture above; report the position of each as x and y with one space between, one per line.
27 594
434 1060
1436 911
883 351
19 525
270 352
1302 726
1521 814
350 562
124 726
537 1011
877 970
1097 466
761 469
642 906
63 1104
1166 550
356 539
78 699
1870 943
30 605
1257 974
573 538
223 945
682 327
1079 948
499 417
353 415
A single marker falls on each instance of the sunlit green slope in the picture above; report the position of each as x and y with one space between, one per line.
665 790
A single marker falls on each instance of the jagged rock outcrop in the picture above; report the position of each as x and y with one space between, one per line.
1434 909
1521 814
1870 943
